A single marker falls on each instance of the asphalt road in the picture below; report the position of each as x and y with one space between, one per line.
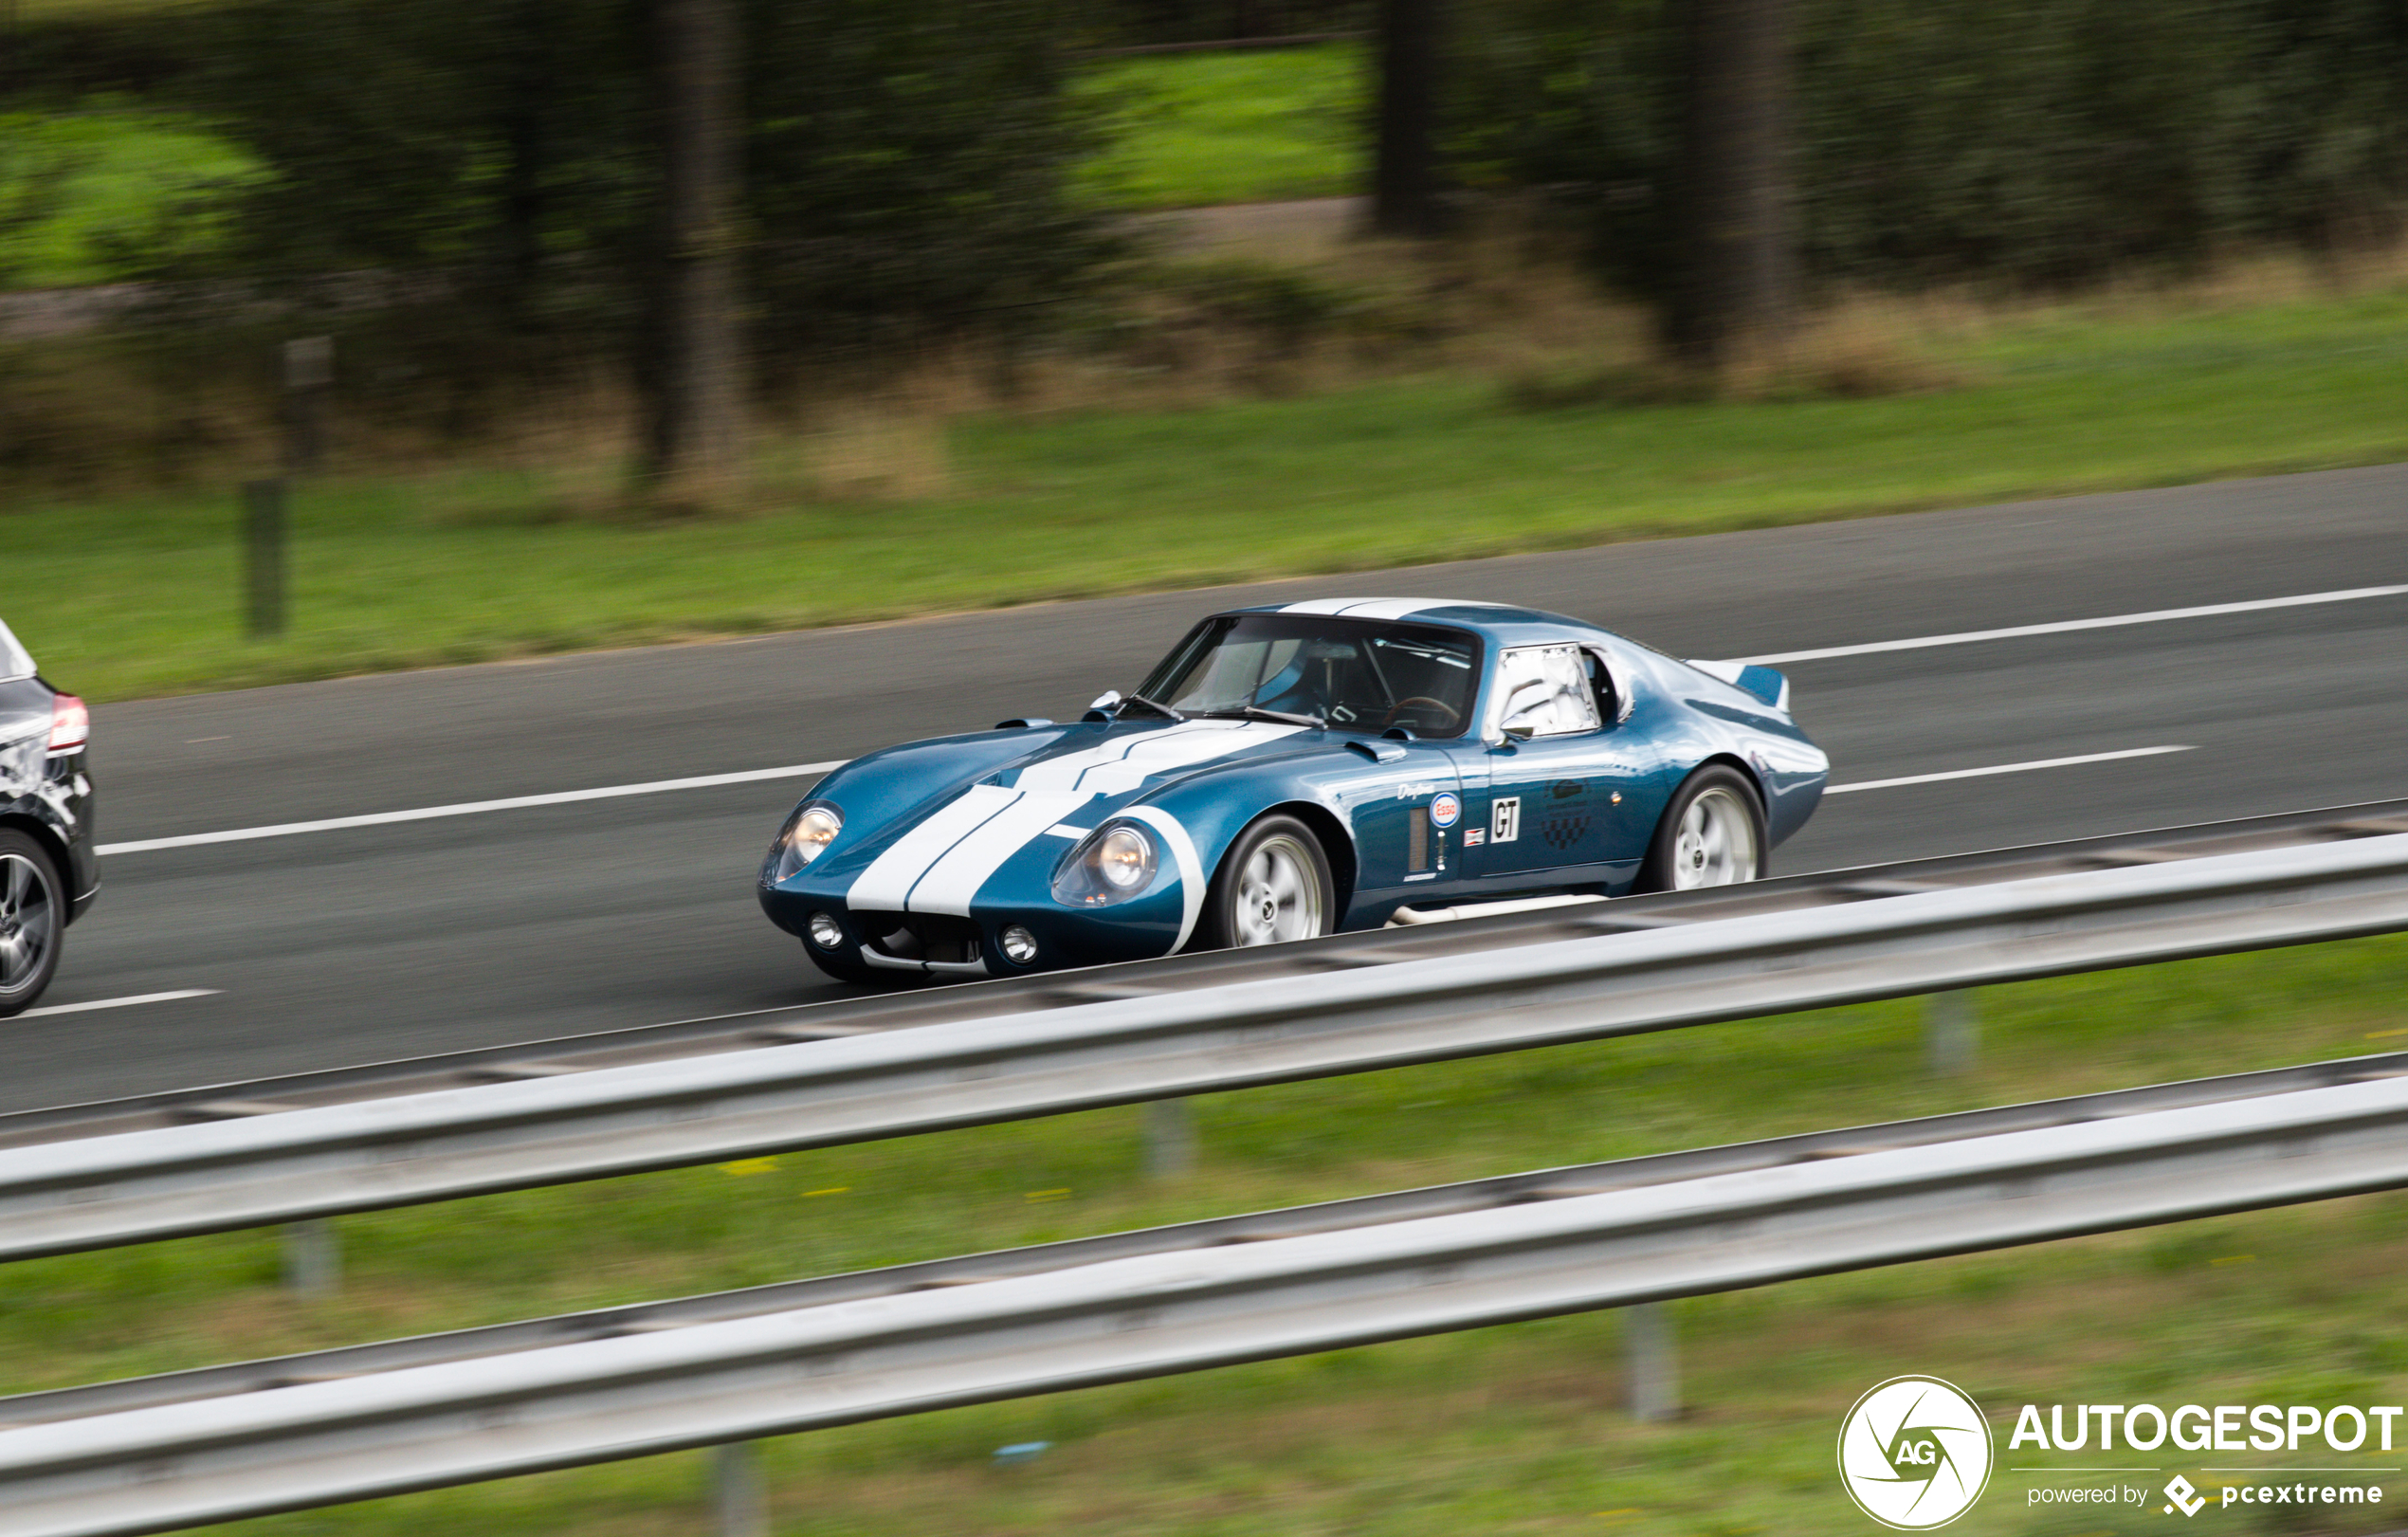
330 948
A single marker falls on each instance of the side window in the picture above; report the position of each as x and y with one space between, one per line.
1601 691
1548 688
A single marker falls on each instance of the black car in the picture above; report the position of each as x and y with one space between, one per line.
48 870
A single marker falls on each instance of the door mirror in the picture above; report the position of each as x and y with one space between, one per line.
1107 700
1521 725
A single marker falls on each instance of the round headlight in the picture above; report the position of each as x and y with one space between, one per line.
1019 946
826 932
805 839
1124 857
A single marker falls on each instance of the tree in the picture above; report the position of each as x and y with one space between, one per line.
691 376
1404 193
1735 243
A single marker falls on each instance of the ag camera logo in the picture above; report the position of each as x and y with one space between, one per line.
1914 1453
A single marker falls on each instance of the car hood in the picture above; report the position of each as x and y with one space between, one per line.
933 820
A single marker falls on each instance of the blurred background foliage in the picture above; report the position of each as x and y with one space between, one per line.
2037 142
463 194
464 191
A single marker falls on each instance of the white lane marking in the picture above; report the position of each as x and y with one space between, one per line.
2109 622
121 1003
2002 768
470 808
1912 643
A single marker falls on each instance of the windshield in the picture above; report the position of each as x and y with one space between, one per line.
1354 673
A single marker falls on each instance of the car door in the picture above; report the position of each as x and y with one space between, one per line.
1408 822
1549 807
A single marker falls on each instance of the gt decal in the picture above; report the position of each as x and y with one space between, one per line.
1504 821
1446 810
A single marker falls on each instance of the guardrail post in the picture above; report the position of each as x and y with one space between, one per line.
312 1258
1169 1138
1655 1361
735 1489
1952 1031
264 556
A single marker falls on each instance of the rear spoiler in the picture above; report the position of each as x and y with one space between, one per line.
1765 683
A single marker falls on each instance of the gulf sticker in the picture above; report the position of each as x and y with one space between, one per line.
1446 810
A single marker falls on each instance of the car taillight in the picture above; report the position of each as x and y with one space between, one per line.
70 724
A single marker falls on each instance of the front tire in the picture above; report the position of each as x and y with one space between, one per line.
33 920
1711 835
1273 886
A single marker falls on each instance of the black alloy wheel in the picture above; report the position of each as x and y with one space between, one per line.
33 912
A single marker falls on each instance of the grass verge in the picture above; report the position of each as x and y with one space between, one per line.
139 595
1514 1429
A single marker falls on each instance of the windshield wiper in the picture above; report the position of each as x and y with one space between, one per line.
1256 712
1156 705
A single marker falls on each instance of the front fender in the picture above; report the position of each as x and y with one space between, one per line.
1215 810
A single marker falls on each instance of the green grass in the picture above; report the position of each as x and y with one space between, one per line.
139 595
1196 129
1517 1429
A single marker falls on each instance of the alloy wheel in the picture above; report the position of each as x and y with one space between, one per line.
1279 895
1715 845
28 921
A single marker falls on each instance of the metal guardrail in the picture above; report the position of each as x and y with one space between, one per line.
380 1420
1383 1013
940 1004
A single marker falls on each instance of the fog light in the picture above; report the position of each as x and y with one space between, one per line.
1019 946
826 932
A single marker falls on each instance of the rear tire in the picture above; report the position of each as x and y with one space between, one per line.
1273 885
34 920
1711 835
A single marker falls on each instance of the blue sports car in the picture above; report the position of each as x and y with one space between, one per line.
1293 771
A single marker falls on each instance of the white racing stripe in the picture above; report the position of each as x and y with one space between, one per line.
1118 767
955 878
120 1003
886 886
470 808
939 866
1384 608
2001 768
2060 627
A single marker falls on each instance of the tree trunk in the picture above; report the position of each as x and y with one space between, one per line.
1735 243
693 382
1404 188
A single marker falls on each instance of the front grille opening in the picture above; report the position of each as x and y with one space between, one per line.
921 935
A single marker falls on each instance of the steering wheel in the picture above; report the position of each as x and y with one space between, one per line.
1454 716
